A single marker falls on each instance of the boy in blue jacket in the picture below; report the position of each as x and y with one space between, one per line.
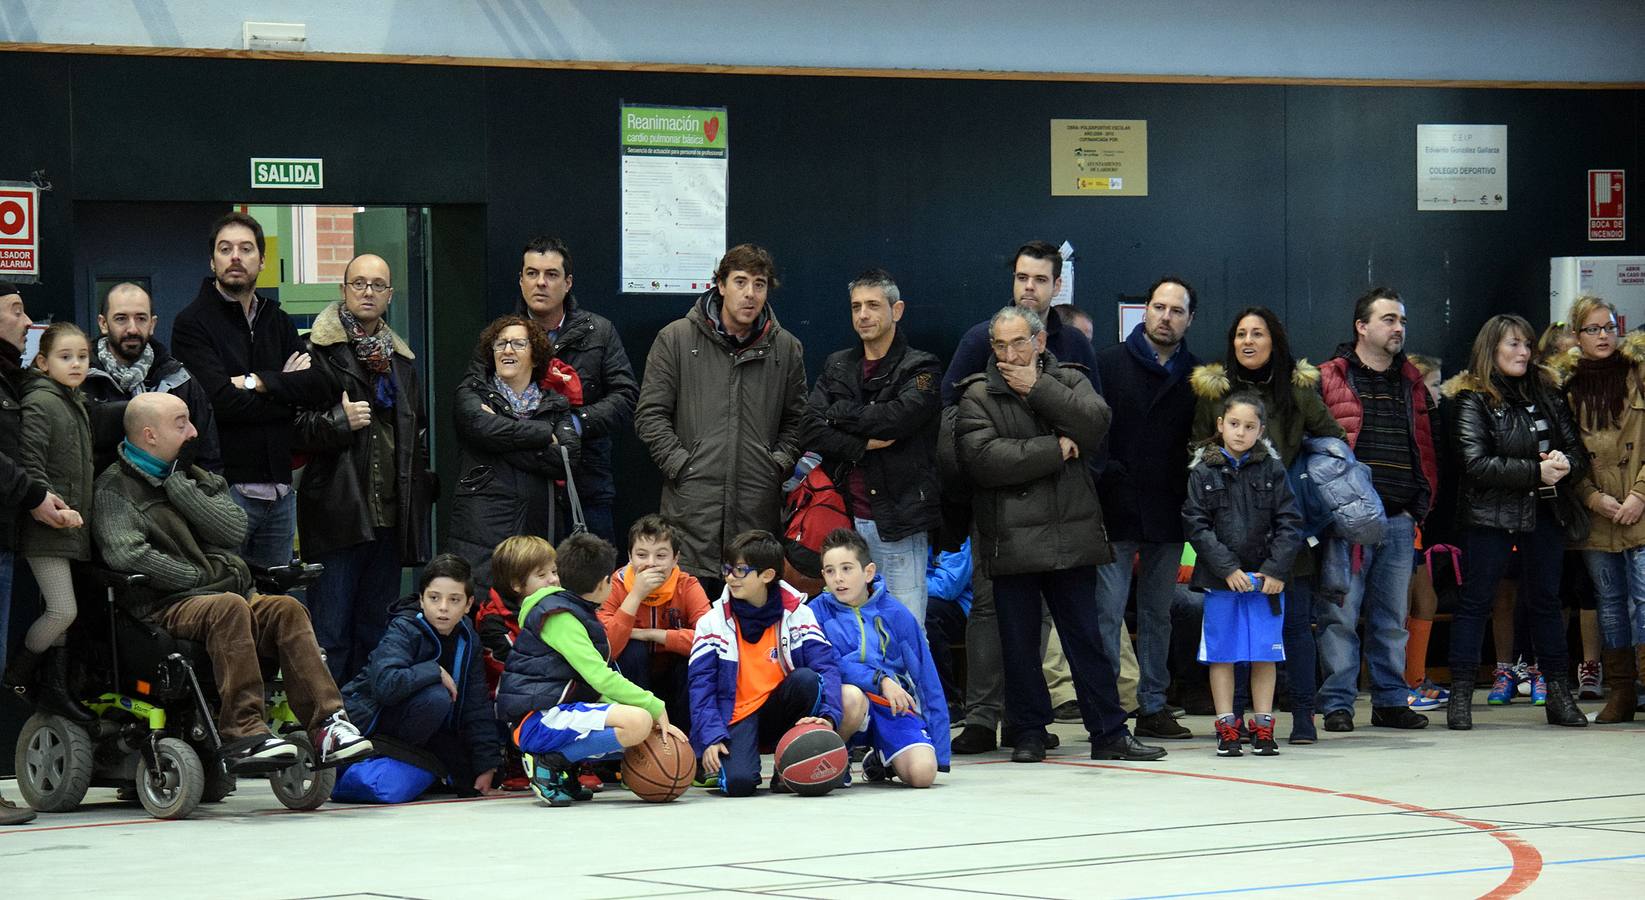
883 653
558 683
759 666
424 683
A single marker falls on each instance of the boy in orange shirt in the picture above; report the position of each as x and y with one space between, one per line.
651 616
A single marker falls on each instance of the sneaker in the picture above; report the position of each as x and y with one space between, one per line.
1228 738
548 782
705 780
1067 712
778 785
1262 737
1161 725
589 779
1522 677
1418 701
1432 691
1588 677
1339 720
874 769
1503 686
258 754
1539 687
1397 717
338 740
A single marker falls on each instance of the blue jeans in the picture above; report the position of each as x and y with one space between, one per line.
350 603
8 560
1156 588
1381 588
1301 653
271 528
1486 554
1619 595
599 519
902 563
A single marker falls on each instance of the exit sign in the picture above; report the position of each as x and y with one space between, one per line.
287 174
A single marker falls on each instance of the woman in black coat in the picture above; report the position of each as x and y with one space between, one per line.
510 433
1520 456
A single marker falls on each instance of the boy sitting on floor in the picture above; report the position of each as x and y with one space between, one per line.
883 654
759 666
558 684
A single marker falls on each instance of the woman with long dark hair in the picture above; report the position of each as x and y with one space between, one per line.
1520 455
1259 361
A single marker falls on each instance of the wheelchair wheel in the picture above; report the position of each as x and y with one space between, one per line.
54 763
174 789
300 785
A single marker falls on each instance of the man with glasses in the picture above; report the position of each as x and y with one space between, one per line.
1024 427
1380 400
1143 489
363 501
245 351
1036 276
587 353
129 360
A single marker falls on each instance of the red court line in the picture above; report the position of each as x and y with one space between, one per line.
1527 860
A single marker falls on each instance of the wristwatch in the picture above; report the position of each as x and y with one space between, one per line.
251 381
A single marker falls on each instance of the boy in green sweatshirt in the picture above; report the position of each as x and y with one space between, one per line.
558 684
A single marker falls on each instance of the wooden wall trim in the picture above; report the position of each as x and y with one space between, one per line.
812 71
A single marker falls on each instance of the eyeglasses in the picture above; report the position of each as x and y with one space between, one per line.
514 344
360 285
1596 330
741 570
1016 345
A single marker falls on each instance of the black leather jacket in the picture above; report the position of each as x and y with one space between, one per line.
1496 449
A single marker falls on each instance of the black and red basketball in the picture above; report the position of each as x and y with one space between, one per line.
658 773
812 759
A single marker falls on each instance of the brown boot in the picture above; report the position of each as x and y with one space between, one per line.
1620 670
14 815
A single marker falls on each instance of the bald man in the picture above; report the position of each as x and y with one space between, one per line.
364 497
178 526
129 360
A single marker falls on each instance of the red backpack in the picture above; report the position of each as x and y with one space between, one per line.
814 508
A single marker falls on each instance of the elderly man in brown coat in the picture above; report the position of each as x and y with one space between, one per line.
1023 425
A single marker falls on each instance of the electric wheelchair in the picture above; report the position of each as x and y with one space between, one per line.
156 730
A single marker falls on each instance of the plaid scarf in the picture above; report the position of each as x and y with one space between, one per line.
129 376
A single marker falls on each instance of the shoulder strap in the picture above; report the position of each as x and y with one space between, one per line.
578 525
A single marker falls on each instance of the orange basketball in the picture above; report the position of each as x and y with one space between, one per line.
658 773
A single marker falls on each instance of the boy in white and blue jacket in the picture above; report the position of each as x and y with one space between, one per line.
759 666
884 654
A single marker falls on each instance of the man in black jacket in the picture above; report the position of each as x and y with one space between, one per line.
18 492
246 354
364 499
588 343
129 360
1143 487
872 415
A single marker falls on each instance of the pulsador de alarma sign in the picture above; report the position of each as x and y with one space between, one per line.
286 173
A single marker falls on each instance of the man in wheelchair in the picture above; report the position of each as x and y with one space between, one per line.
175 524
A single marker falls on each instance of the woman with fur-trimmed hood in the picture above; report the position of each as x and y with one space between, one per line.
1259 359
1604 380
1520 456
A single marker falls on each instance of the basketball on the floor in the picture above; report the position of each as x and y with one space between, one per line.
658 772
812 759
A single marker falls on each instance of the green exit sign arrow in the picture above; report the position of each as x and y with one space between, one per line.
287 173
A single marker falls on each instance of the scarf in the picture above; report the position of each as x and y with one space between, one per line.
129 376
752 621
525 402
1142 350
375 352
1598 390
664 592
149 465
